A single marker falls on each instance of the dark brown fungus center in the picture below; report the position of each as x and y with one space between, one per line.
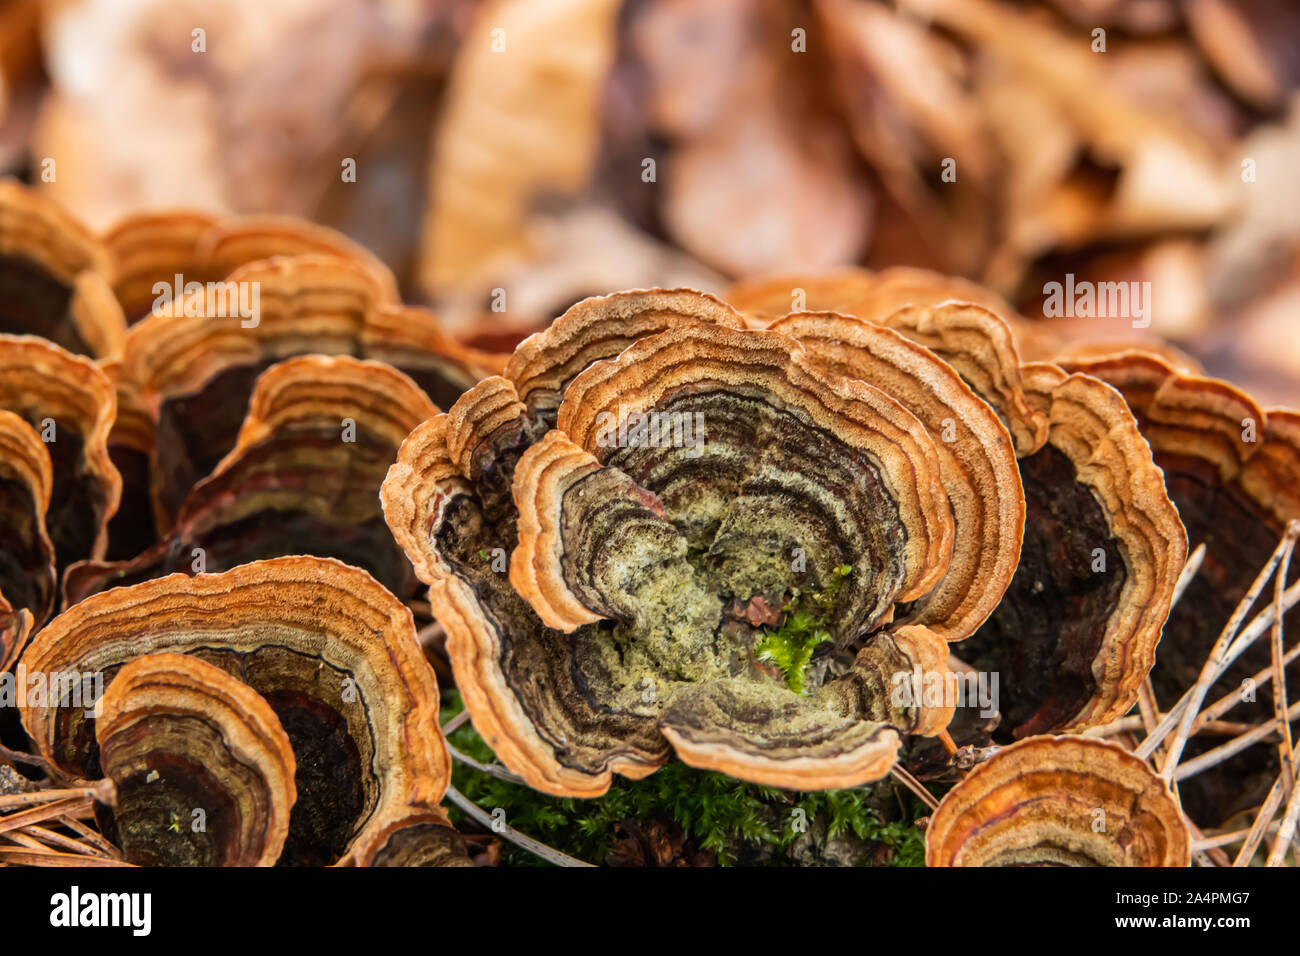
153 822
1044 636
34 302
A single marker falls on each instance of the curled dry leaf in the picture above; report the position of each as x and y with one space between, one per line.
1059 801
333 653
527 75
1166 175
202 770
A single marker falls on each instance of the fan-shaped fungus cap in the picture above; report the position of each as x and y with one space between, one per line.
1230 466
135 525
1206 434
977 461
333 653
424 838
71 404
600 328
966 326
149 248
669 562
55 276
27 581
303 478
1059 801
875 295
767 298
980 346
184 742
1076 632
198 368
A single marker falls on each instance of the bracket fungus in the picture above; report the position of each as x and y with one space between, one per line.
730 603
153 248
71 404
196 366
135 525
303 478
979 344
202 770
55 277
1059 801
1076 633
875 296
977 460
1230 467
425 838
27 578
333 654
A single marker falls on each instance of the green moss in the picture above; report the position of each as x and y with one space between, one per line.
790 647
738 823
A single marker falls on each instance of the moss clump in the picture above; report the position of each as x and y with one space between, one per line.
790 647
737 823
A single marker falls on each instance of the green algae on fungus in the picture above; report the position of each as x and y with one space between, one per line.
644 578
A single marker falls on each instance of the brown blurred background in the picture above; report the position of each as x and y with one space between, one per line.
507 158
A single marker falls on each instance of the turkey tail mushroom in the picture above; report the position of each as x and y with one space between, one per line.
202 770
332 652
1059 801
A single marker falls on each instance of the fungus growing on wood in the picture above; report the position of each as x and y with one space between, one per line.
27 578
333 653
544 364
1076 632
152 248
678 591
977 460
875 296
303 478
197 365
135 525
1059 801
202 770
424 838
71 405
980 346
1230 466
765 299
54 277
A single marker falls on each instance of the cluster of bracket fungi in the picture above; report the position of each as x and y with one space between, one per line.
231 521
